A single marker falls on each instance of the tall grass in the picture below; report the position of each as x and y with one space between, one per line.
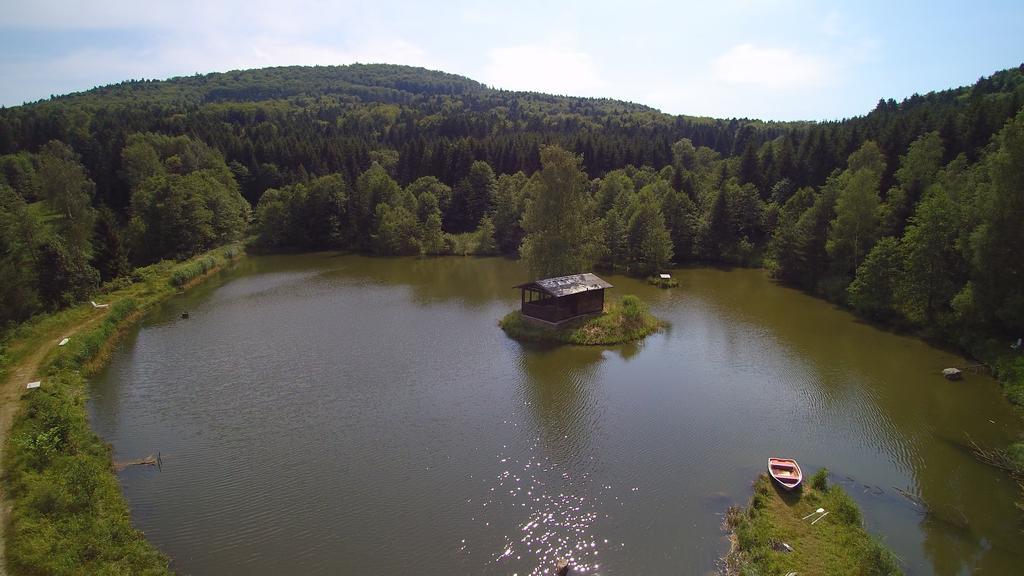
192 270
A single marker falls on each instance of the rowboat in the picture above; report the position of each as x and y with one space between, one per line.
786 472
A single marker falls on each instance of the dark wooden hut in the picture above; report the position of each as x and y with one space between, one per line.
556 300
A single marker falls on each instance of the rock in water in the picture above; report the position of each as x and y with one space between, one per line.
952 374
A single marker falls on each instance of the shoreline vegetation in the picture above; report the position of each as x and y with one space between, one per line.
628 320
66 513
774 534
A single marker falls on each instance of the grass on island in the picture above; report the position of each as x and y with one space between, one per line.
662 282
836 544
67 512
626 321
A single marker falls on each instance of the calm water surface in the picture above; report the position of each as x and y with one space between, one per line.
333 414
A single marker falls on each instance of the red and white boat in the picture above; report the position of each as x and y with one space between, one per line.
786 472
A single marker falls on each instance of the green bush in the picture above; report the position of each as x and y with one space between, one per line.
820 480
879 561
845 509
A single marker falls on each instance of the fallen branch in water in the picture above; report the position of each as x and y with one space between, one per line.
994 457
147 461
910 497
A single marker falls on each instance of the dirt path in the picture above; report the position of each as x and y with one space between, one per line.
25 371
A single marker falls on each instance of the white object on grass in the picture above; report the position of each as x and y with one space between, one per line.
95 305
665 276
819 518
32 385
64 341
818 511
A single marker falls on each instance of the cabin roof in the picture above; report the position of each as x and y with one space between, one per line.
567 285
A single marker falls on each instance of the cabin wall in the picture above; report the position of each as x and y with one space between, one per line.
544 312
590 302
560 309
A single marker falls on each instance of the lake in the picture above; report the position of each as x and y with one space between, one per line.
326 414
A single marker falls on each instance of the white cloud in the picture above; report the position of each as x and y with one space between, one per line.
543 68
769 67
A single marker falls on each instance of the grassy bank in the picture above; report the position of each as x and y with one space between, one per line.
836 544
67 514
626 321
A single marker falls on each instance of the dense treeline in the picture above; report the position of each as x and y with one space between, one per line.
907 214
58 241
275 124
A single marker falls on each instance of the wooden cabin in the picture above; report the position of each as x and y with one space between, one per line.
557 300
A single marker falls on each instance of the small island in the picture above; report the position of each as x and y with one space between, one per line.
816 530
572 310
663 281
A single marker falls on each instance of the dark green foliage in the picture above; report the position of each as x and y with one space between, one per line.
372 188
650 247
65 276
485 232
110 254
308 216
616 241
997 261
873 292
562 233
714 240
433 240
471 198
184 198
68 192
917 171
820 479
933 269
397 231
441 192
856 225
681 216
21 172
19 240
509 205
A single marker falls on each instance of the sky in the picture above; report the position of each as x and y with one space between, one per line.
768 59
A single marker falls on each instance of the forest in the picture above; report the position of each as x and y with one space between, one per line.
910 215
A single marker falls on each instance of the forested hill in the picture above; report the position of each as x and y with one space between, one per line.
280 122
401 160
